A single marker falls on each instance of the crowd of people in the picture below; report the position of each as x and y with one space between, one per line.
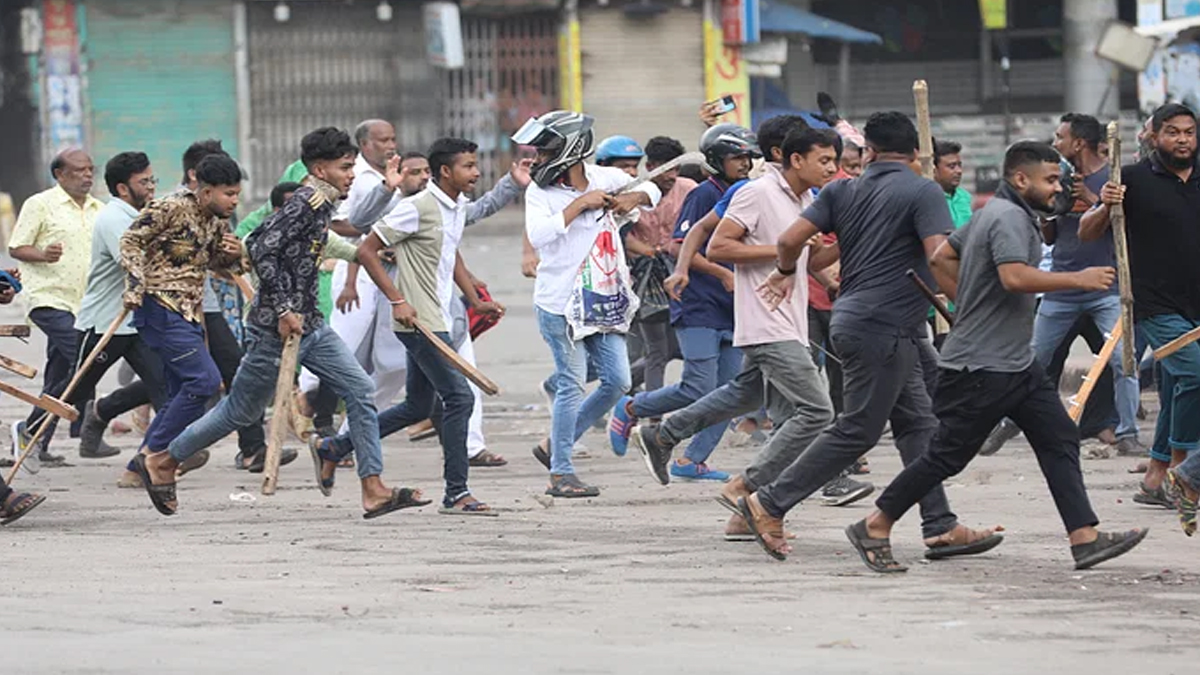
359 248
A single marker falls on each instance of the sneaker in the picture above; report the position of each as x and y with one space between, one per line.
694 471
20 441
618 428
656 454
1003 433
844 490
91 435
1130 446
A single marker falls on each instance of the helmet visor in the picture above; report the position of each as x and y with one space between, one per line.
535 133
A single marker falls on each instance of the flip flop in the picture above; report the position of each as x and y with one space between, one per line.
160 495
423 434
542 456
487 458
744 510
740 537
728 504
943 551
402 498
881 550
197 460
1106 547
259 463
22 504
325 485
468 509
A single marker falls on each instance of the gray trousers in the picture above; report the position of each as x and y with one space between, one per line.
884 379
784 376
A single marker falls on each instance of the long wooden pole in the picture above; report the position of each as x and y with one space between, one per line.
1080 399
280 413
48 421
925 149
1116 216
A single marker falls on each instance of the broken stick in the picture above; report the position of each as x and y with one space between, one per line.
459 363
932 297
17 331
1116 217
18 367
1177 344
45 402
1080 399
280 413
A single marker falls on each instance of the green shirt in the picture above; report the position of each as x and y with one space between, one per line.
960 206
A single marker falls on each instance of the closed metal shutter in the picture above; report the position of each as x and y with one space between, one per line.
160 75
643 76
335 63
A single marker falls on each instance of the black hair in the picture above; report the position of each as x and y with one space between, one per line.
772 132
412 154
278 192
693 172
1084 127
1169 111
661 149
444 150
325 144
943 148
891 132
218 170
802 141
1024 153
198 151
121 167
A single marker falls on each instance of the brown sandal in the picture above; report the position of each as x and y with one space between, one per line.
763 526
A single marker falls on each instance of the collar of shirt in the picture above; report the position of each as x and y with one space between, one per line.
125 207
884 167
327 193
362 167
445 199
89 202
1007 193
1158 167
774 172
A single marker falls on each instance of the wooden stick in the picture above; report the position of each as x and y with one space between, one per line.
281 412
932 297
18 367
245 287
1080 399
66 395
1116 216
44 401
1177 344
19 331
924 132
459 363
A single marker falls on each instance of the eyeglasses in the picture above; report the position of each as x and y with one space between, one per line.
148 182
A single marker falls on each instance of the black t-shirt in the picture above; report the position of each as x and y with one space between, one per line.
1162 227
880 219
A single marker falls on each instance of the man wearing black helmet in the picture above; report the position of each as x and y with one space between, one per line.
566 215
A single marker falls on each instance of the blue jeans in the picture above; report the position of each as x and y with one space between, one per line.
322 352
430 377
572 415
709 361
192 376
1178 425
1055 319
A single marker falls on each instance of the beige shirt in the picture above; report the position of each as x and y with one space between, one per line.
53 217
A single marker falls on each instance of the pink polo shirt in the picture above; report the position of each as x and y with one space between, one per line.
656 227
767 207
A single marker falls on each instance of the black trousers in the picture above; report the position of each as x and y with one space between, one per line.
968 405
149 388
818 336
227 353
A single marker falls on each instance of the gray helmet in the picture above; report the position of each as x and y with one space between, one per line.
566 134
727 140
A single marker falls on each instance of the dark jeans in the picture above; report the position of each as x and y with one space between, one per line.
818 336
62 346
884 380
968 405
324 402
430 378
191 375
652 343
227 354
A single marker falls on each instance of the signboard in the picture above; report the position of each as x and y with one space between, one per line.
725 74
443 35
994 13
740 22
63 95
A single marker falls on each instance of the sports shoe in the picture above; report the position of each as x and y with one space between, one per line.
91 435
618 429
20 441
694 471
1003 433
656 455
843 490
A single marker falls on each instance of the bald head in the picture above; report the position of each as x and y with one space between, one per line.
376 140
73 170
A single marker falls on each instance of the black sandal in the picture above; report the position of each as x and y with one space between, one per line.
160 495
402 498
941 551
542 456
259 461
1106 547
316 450
19 506
568 486
875 553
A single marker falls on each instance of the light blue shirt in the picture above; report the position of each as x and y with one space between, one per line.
106 278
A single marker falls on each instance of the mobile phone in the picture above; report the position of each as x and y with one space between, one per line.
723 105
8 281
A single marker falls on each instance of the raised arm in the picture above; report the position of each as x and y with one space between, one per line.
1095 222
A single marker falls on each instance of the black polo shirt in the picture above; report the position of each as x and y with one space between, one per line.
1162 225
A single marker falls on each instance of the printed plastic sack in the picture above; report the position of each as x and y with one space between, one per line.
602 300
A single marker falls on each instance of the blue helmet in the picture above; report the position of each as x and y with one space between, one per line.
618 147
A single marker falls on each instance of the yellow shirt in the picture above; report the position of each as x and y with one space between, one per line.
51 217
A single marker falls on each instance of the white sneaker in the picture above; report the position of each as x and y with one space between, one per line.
20 441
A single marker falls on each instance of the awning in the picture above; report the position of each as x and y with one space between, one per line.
780 17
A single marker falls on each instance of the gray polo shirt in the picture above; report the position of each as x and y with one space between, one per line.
993 327
880 219
106 278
